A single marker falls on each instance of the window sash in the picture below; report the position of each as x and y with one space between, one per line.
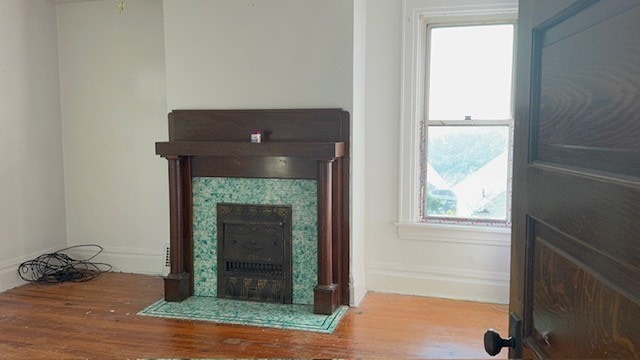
425 124
428 29
423 216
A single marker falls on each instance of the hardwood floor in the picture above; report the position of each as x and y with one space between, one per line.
97 319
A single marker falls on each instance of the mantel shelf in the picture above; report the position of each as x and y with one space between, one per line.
306 149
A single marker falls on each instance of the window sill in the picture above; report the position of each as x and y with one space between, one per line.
462 234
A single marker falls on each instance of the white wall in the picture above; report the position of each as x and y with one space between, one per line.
382 131
32 214
219 54
113 101
258 54
447 263
358 282
227 54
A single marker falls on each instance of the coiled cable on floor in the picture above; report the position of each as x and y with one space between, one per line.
59 267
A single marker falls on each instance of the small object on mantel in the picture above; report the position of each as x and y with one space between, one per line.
256 137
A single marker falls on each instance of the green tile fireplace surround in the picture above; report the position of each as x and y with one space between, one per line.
301 195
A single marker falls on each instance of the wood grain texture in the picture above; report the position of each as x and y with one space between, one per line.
254 167
316 150
519 199
97 320
575 274
276 125
597 212
588 113
325 294
576 314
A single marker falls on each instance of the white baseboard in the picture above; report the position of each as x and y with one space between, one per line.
127 260
358 290
440 282
9 269
9 278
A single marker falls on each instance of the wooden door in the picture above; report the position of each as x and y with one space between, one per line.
575 273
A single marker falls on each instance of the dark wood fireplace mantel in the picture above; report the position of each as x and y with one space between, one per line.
309 149
302 144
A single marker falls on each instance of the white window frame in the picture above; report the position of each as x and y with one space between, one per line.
427 123
416 15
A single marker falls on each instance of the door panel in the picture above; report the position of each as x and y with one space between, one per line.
587 112
575 279
575 314
596 211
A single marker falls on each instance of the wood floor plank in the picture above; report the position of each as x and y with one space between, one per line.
97 320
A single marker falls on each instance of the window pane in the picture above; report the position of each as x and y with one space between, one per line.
470 72
467 172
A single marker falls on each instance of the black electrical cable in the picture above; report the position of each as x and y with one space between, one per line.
59 267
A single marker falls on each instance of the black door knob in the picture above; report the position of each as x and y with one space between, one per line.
493 343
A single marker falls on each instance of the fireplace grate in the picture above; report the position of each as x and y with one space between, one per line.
254 268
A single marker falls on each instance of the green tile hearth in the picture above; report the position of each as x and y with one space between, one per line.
280 316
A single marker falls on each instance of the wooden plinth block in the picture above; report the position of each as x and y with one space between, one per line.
176 287
325 299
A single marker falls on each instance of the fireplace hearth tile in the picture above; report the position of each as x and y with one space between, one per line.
280 316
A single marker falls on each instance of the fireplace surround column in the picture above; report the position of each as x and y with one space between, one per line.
325 293
177 285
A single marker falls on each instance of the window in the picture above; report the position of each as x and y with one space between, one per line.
457 121
465 152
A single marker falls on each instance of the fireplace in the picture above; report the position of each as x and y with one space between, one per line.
302 145
254 252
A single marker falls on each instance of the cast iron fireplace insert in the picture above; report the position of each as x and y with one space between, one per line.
254 252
